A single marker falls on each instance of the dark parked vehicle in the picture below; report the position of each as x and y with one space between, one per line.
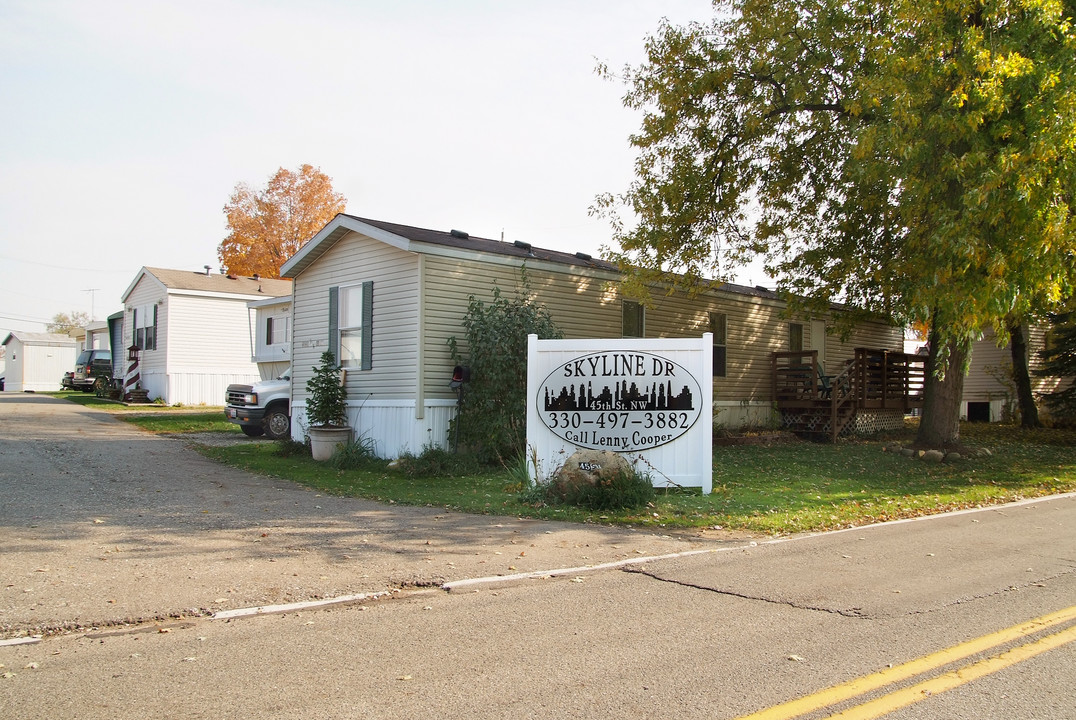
92 369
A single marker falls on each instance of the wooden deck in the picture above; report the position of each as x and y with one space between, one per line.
815 403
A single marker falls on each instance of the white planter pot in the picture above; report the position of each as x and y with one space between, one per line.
325 440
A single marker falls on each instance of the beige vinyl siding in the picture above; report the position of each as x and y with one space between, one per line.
582 306
989 362
1036 343
878 335
576 302
394 273
755 328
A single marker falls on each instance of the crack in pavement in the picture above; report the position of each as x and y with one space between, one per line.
852 613
1038 582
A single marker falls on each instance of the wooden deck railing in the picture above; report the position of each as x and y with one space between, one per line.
889 380
872 379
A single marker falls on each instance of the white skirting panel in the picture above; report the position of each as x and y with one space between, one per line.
193 388
391 425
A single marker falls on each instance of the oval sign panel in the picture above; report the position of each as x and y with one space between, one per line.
619 401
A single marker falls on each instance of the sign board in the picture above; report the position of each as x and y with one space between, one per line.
648 399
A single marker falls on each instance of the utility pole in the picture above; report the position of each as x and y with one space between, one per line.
91 291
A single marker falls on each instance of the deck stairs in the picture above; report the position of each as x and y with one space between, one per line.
818 405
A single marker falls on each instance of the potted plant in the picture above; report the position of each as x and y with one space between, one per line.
326 409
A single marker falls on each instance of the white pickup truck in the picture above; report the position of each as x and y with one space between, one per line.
261 408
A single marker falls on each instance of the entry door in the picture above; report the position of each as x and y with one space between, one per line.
818 340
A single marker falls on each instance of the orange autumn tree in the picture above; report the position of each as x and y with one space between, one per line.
268 226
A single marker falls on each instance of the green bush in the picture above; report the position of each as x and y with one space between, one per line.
519 475
625 490
356 455
326 405
437 462
492 421
286 447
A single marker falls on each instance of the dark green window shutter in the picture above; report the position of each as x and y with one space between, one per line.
154 328
334 322
367 324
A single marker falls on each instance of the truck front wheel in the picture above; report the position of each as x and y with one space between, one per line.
277 423
252 430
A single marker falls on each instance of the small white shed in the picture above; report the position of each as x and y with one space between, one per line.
36 362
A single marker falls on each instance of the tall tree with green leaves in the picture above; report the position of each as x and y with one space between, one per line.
915 159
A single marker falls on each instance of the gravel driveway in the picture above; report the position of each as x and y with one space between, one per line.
103 524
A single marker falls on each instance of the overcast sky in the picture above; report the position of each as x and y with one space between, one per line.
126 125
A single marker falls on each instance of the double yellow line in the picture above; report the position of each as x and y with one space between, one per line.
947 681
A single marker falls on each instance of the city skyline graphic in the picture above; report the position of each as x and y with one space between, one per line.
625 397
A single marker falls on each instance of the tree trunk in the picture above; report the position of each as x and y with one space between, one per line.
940 426
1021 375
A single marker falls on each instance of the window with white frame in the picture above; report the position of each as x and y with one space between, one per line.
276 329
144 327
350 325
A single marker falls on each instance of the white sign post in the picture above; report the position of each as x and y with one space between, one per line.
648 399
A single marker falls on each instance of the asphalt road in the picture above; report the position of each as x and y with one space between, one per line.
103 524
723 633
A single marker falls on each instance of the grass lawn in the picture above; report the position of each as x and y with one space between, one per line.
157 418
784 488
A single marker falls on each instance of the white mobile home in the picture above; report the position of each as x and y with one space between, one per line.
97 336
36 362
193 331
387 297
